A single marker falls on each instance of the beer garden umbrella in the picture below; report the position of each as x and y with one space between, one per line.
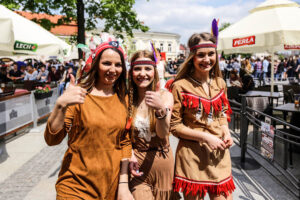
271 26
22 36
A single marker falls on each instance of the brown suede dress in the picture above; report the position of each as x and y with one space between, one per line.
96 145
198 169
156 161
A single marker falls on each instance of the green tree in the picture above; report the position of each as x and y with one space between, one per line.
117 15
224 26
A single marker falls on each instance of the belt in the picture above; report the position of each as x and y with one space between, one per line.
163 150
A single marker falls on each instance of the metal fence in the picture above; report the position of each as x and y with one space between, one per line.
276 149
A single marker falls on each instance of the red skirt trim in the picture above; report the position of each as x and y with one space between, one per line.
200 188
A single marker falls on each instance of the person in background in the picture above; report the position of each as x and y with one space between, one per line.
223 67
43 74
15 74
236 65
234 79
67 77
30 73
3 75
161 64
265 67
54 75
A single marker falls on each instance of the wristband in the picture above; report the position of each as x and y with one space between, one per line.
122 182
164 116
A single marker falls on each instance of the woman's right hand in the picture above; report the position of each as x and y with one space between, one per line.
72 95
134 166
214 142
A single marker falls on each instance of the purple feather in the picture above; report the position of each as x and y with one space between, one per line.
154 52
215 29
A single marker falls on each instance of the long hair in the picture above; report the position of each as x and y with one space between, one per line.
133 91
92 77
187 67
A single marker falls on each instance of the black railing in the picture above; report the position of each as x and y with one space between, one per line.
246 126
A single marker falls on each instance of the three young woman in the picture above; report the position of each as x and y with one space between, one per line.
94 116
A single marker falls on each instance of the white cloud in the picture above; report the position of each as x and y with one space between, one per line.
186 17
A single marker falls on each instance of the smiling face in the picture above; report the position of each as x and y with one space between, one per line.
205 59
143 75
110 67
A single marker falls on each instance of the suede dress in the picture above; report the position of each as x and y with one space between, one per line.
97 142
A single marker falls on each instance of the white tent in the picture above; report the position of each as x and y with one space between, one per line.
271 26
22 36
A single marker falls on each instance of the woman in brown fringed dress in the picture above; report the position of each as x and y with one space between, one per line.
199 120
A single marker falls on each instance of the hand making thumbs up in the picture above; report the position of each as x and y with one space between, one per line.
153 99
73 94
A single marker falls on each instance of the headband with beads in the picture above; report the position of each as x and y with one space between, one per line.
143 62
214 32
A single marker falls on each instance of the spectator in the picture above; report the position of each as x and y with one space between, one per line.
61 70
265 67
280 70
15 74
54 75
222 65
234 79
236 65
291 67
43 74
64 83
3 75
30 73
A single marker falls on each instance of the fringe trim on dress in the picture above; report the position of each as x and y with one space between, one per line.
200 188
193 101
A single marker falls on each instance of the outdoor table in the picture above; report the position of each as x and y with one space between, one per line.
288 107
253 93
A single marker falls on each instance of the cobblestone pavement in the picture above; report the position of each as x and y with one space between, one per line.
35 178
19 184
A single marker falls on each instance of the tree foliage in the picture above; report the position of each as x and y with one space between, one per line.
117 15
224 26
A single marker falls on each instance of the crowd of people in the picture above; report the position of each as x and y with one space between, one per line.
260 68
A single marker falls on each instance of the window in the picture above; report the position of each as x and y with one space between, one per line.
169 47
161 47
133 46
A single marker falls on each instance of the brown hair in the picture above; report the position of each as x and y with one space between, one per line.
188 66
90 78
133 90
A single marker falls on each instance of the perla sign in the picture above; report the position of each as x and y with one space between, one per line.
238 42
25 46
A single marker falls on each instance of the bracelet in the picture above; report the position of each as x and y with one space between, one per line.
122 182
164 116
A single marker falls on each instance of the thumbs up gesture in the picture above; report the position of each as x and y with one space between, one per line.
73 94
153 99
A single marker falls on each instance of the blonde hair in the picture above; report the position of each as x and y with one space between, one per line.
133 91
188 66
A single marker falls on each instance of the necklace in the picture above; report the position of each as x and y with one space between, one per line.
200 83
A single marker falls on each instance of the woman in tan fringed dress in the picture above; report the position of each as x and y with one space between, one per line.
150 111
94 116
199 120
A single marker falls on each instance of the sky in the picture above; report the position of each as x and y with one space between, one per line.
186 17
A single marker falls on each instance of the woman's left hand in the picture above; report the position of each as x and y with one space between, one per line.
124 193
228 140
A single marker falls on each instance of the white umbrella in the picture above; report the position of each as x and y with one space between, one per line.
20 35
272 26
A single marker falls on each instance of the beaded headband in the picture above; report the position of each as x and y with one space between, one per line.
214 32
204 45
143 62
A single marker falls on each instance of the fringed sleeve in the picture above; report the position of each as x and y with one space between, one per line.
176 123
55 138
